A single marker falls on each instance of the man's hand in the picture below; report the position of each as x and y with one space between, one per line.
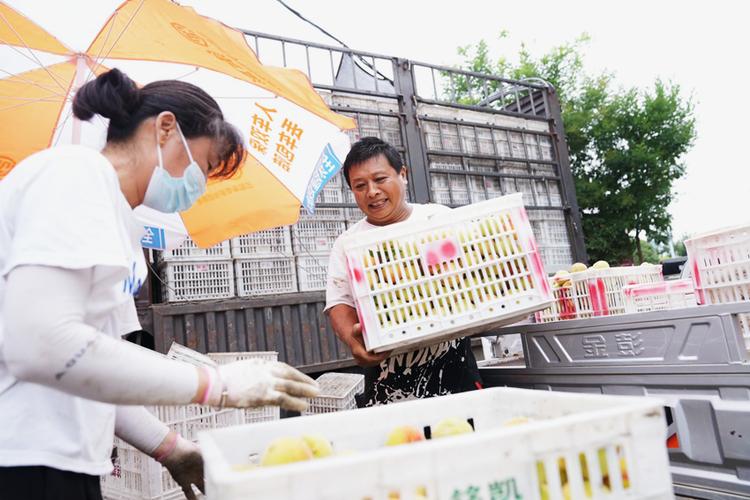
185 465
359 352
346 325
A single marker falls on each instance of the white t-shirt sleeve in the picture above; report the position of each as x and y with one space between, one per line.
68 217
338 286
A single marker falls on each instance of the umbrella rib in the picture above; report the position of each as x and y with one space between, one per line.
62 125
31 52
21 104
35 84
98 63
98 58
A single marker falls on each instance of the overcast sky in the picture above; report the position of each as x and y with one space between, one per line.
702 46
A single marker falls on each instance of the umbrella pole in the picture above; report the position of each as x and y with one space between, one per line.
81 70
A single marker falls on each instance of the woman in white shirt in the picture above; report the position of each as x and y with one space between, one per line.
70 263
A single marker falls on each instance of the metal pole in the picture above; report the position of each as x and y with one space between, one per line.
415 149
570 202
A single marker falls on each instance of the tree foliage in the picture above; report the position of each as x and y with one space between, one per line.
626 145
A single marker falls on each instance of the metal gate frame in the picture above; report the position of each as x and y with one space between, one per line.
398 87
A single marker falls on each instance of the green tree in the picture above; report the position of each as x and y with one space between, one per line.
650 254
626 145
679 247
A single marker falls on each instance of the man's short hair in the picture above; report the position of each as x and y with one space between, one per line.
370 147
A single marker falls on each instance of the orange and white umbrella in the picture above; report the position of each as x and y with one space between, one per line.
295 142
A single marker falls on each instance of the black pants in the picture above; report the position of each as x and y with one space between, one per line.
46 483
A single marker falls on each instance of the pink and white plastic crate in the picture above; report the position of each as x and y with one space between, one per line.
595 292
720 266
646 297
418 283
572 299
606 286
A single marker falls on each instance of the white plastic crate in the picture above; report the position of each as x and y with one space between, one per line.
189 251
662 296
265 276
417 283
312 272
337 391
317 232
720 266
193 280
613 445
269 242
137 476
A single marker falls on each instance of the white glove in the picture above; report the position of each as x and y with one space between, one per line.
184 462
252 383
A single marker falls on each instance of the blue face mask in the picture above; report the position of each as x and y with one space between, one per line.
169 194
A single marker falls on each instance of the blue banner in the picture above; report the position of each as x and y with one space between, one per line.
327 166
154 238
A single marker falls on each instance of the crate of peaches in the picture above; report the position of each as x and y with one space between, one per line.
421 282
493 444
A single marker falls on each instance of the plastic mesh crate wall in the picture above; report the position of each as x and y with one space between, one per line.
265 276
337 391
720 266
572 299
198 280
270 242
420 282
615 442
312 272
332 191
659 296
189 251
317 232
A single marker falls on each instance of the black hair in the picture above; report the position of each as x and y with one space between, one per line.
370 147
115 96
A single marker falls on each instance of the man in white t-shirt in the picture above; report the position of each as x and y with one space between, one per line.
377 177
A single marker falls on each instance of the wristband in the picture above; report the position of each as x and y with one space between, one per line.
209 386
169 449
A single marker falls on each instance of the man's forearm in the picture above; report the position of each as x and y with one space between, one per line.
343 318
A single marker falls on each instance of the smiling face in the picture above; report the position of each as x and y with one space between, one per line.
380 191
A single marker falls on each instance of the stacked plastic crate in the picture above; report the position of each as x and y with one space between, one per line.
475 156
263 262
193 273
312 239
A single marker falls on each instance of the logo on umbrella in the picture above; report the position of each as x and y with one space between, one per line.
6 164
